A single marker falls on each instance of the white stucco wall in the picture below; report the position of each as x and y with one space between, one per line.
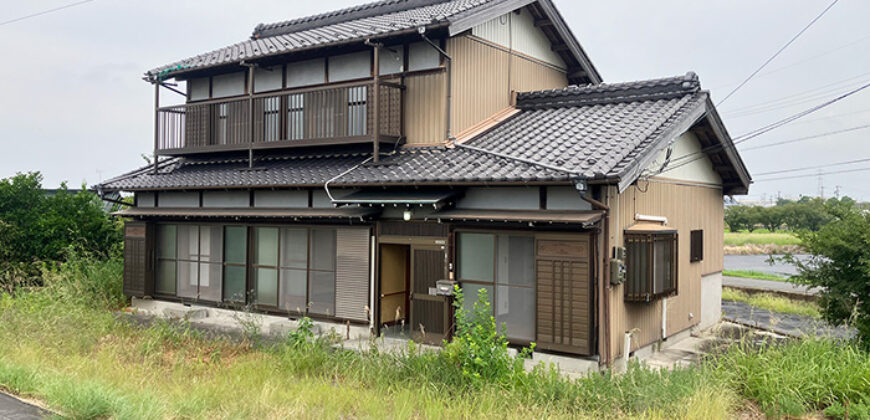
700 170
517 31
711 300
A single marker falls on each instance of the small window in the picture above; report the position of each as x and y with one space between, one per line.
651 266
697 246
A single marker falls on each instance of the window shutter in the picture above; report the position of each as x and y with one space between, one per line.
352 274
697 246
138 256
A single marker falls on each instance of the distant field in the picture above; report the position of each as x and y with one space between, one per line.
749 274
773 302
760 238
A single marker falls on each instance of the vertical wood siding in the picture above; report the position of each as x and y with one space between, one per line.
485 76
352 274
425 108
687 207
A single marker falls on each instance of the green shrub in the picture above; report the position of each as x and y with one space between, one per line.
478 348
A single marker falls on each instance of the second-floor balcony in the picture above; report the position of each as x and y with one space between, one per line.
326 115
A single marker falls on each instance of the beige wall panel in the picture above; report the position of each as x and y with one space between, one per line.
687 207
480 81
527 75
425 108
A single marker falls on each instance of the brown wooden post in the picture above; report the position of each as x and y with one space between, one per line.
156 121
376 105
251 115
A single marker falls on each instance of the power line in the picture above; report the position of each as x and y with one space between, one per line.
811 175
757 132
798 98
44 12
763 65
806 168
814 136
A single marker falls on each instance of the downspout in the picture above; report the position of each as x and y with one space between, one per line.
422 31
250 67
604 281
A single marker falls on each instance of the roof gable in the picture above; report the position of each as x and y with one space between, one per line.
380 19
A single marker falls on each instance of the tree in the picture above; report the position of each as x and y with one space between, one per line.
737 218
839 265
36 227
771 217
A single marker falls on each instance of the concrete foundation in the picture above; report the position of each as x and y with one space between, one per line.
711 300
231 320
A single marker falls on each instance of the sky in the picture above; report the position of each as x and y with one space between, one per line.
73 105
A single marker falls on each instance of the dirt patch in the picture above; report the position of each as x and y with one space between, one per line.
766 249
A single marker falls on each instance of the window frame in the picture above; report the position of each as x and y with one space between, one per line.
696 245
643 289
495 284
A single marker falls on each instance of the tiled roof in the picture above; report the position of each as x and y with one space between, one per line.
591 130
356 23
432 165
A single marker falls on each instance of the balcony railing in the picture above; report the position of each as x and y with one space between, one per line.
333 114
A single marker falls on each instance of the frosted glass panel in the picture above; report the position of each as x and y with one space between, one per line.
515 308
323 249
476 255
470 291
166 277
188 242
235 244
210 281
211 244
266 280
188 274
294 248
234 283
322 292
392 59
516 260
166 241
294 289
266 246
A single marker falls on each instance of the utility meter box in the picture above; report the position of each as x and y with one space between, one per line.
444 287
617 272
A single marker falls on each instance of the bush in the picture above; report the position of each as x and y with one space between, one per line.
478 348
839 265
86 280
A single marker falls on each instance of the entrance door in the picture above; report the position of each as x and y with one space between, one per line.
429 312
395 276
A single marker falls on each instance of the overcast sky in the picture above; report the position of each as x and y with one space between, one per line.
73 105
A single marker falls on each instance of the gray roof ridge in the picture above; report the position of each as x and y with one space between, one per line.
642 90
141 170
371 9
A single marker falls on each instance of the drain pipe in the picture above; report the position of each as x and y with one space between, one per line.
422 31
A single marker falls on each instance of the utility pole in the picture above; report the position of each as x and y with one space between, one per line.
821 185
837 192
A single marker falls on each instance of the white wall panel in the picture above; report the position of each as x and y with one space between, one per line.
309 72
350 66
232 84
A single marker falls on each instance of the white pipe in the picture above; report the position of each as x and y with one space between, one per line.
664 318
648 218
627 348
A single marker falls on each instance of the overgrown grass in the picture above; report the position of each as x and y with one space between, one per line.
773 302
78 358
751 274
760 238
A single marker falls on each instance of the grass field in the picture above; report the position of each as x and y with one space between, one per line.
63 346
750 274
760 238
773 302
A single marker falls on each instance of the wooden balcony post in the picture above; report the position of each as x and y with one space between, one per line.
156 122
250 116
376 105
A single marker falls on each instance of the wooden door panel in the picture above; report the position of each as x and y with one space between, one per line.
564 320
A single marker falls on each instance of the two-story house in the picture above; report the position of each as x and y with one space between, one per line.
349 166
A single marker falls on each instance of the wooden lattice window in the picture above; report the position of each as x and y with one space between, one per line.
651 265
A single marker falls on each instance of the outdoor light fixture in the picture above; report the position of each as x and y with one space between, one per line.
406 215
